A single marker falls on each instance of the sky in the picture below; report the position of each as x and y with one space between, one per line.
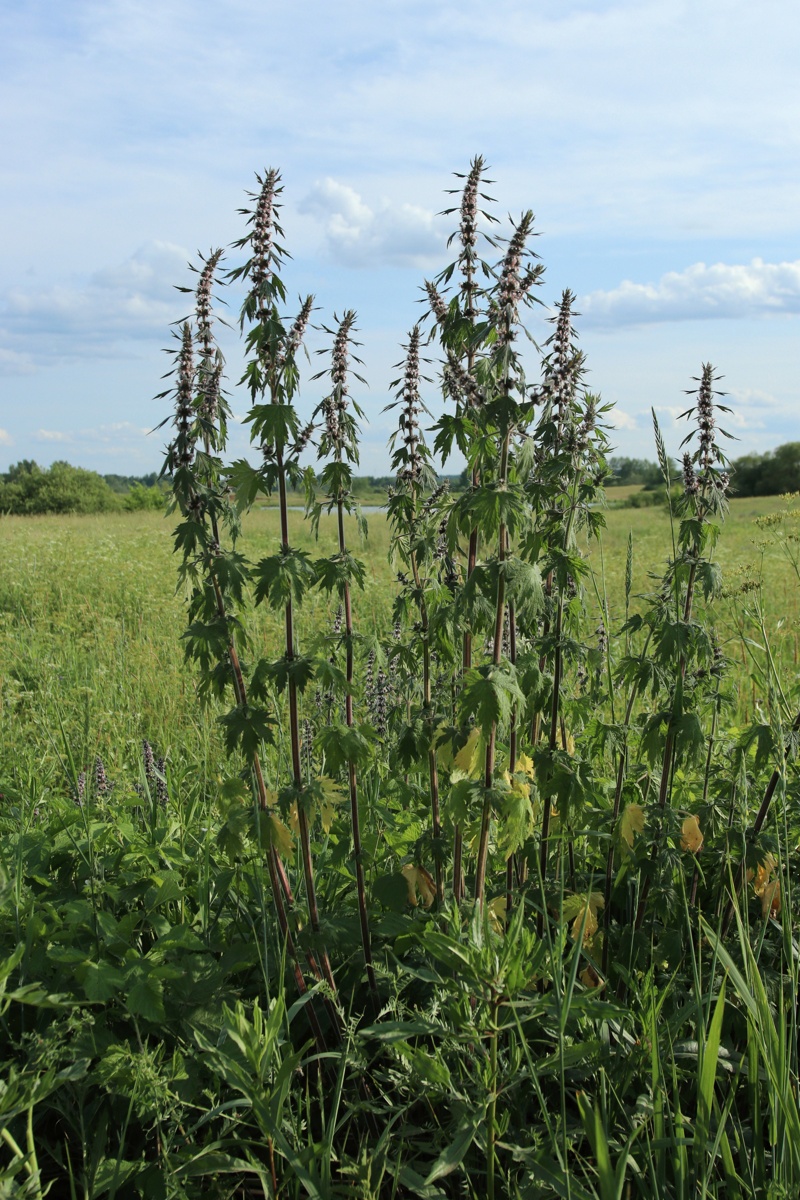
655 140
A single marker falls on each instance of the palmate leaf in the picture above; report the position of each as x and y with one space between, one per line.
631 823
284 577
492 506
489 694
515 817
333 573
246 482
275 424
246 727
343 744
297 670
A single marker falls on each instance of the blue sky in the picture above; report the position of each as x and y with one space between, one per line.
656 141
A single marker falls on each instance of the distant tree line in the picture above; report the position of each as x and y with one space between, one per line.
26 488
770 474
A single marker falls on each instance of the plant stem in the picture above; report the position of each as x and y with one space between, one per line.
351 773
488 776
427 704
294 737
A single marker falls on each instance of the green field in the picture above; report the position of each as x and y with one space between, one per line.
90 623
141 957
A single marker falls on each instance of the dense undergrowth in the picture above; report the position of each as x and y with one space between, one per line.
472 880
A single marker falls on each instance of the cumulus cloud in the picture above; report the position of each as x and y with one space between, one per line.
6 438
619 419
132 300
700 291
388 233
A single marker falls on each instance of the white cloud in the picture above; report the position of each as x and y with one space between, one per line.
130 301
619 419
699 292
390 233
6 438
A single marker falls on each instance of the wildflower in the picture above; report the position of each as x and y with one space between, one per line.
149 761
162 794
101 783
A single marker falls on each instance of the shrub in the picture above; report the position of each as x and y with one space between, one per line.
27 488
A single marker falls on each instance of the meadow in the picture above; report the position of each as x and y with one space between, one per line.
90 621
455 857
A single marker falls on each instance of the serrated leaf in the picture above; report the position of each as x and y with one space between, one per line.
146 999
631 822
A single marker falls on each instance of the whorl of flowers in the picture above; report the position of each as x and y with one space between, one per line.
691 484
148 759
468 225
183 447
262 236
303 439
564 362
101 781
588 424
436 302
162 794
294 338
512 287
704 414
708 455
203 313
460 382
210 387
411 408
334 405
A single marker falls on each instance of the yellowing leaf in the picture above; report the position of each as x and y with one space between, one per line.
631 822
497 913
589 977
589 929
419 880
570 742
575 907
763 874
280 837
771 899
691 835
426 887
524 765
470 757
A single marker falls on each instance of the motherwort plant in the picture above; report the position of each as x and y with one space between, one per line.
516 753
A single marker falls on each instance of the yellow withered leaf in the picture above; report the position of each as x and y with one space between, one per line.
631 822
469 759
332 795
575 907
589 977
771 899
589 928
497 913
524 765
419 880
567 744
279 836
763 874
691 835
